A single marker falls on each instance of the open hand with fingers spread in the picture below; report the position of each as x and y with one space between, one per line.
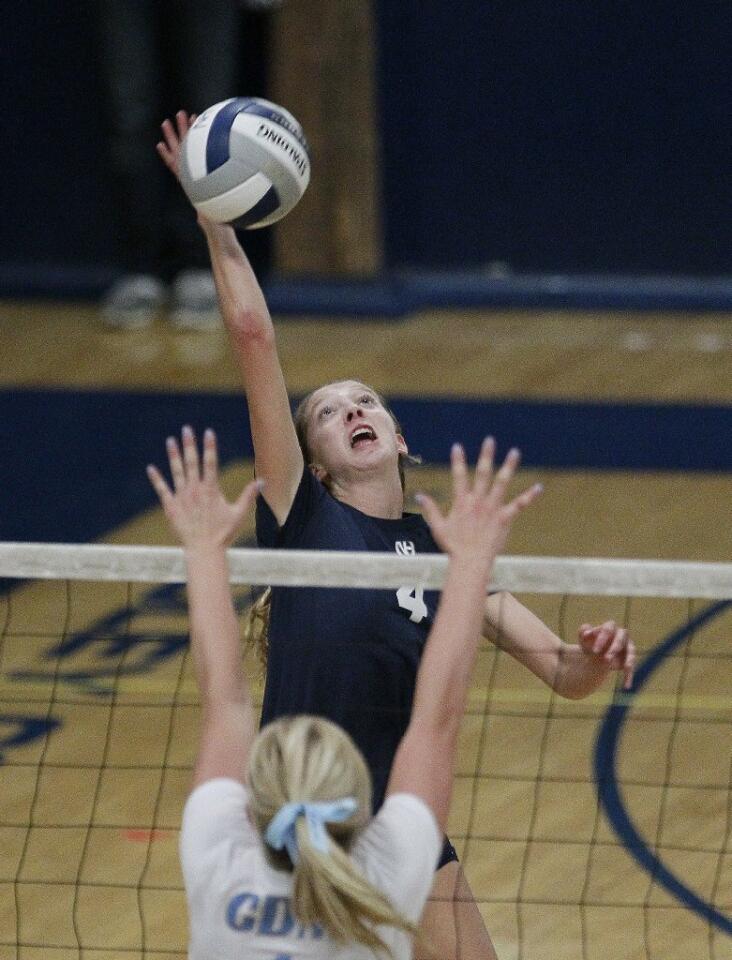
199 514
480 518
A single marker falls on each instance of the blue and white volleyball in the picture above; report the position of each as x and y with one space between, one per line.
245 161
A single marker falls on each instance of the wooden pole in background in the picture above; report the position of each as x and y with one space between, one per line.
322 70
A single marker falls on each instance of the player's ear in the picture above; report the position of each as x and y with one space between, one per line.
402 444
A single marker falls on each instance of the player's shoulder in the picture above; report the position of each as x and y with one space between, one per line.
408 808
311 499
399 849
404 823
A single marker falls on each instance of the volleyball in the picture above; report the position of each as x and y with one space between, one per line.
245 161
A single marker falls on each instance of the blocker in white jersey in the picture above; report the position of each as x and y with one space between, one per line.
240 906
245 161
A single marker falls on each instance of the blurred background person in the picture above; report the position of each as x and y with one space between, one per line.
155 53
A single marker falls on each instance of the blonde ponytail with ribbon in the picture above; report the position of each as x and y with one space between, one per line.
310 796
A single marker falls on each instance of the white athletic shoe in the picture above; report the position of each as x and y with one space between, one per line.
133 301
193 301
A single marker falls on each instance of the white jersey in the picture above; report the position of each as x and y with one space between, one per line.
240 907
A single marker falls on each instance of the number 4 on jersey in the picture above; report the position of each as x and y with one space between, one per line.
412 599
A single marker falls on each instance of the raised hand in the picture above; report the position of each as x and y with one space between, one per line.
199 514
169 147
480 519
611 644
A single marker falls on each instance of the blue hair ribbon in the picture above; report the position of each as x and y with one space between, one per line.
281 830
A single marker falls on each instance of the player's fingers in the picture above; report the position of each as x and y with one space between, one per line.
524 500
164 154
432 513
618 643
459 469
629 669
587 635
158 484
210 457
190 454
246 498
176 464
505 474
181 120
484 467
605 633
170 136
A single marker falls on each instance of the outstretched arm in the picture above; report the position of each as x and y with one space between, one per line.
206 524
278 460
572 670
473 533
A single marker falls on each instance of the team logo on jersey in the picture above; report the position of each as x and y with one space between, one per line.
410 598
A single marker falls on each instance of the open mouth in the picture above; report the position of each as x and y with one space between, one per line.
362 436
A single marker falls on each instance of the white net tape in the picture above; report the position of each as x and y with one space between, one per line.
301 568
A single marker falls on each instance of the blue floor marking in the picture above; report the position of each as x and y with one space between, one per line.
606 749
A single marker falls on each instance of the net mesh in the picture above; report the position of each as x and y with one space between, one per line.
588 829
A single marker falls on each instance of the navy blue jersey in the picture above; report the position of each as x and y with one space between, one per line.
348 655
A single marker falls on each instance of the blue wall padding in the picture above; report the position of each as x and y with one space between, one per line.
555 137
558 138
74 462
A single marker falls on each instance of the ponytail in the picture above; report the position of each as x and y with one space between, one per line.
309 762
255 629
331 891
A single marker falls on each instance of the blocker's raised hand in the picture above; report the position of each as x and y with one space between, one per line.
480 517
196 508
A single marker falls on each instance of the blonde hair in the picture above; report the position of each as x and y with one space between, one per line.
256 619
309 759
255 627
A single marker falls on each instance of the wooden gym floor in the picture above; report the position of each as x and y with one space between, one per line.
97 705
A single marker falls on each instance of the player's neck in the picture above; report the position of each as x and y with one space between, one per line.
372 496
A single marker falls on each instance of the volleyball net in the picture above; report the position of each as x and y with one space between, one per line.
593 829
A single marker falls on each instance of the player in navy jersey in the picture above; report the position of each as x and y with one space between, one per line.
334 480
376 637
